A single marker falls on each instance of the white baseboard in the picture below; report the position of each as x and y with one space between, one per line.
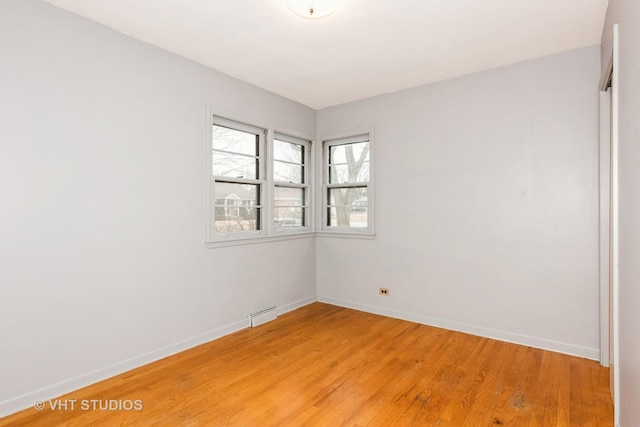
559 347
27 400
296 305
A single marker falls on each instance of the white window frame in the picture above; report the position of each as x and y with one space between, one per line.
306 185
265 181
327 143
261 180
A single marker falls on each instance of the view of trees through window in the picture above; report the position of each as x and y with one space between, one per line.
236 163
348 183
290 186
260 182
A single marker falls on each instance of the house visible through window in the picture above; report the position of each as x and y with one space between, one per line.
261 186
259 182
237 174
291 183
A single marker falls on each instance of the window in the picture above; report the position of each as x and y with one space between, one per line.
237 169
258 183
347 191
290 183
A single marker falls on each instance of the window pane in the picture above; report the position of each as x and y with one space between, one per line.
349 197
349 153
236 207
349 163
234 140
233 219
348 173
284 196
230 194
348 207
289 217
344 216
234 165
288 151
288 210
286 172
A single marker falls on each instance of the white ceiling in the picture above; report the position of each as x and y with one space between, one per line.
366 48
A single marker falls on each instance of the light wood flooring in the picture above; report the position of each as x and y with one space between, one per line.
326 366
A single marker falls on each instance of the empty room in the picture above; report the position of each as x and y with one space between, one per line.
319 212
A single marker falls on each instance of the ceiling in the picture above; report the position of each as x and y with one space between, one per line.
365 48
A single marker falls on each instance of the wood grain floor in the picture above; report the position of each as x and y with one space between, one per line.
324 366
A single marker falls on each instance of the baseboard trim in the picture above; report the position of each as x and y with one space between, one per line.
556 346
296 305
27 400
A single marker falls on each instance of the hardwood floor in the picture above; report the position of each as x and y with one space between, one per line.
323 365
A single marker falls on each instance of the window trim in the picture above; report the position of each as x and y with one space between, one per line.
260 180
343 139
307 184
266 181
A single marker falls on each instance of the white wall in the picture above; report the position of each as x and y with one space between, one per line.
486 205
627 14
103 265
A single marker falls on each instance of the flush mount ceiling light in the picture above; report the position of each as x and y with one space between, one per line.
313 9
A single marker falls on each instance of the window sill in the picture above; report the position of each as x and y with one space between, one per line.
260 239
345 235
285 237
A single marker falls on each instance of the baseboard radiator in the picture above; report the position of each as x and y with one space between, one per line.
263 316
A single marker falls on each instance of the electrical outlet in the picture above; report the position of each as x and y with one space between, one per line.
384 291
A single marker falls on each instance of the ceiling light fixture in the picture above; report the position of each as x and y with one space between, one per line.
313 9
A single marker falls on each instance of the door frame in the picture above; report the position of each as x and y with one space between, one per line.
605 224
609 223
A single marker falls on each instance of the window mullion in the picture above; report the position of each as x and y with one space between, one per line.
289 162
265 139
235 153
243 204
